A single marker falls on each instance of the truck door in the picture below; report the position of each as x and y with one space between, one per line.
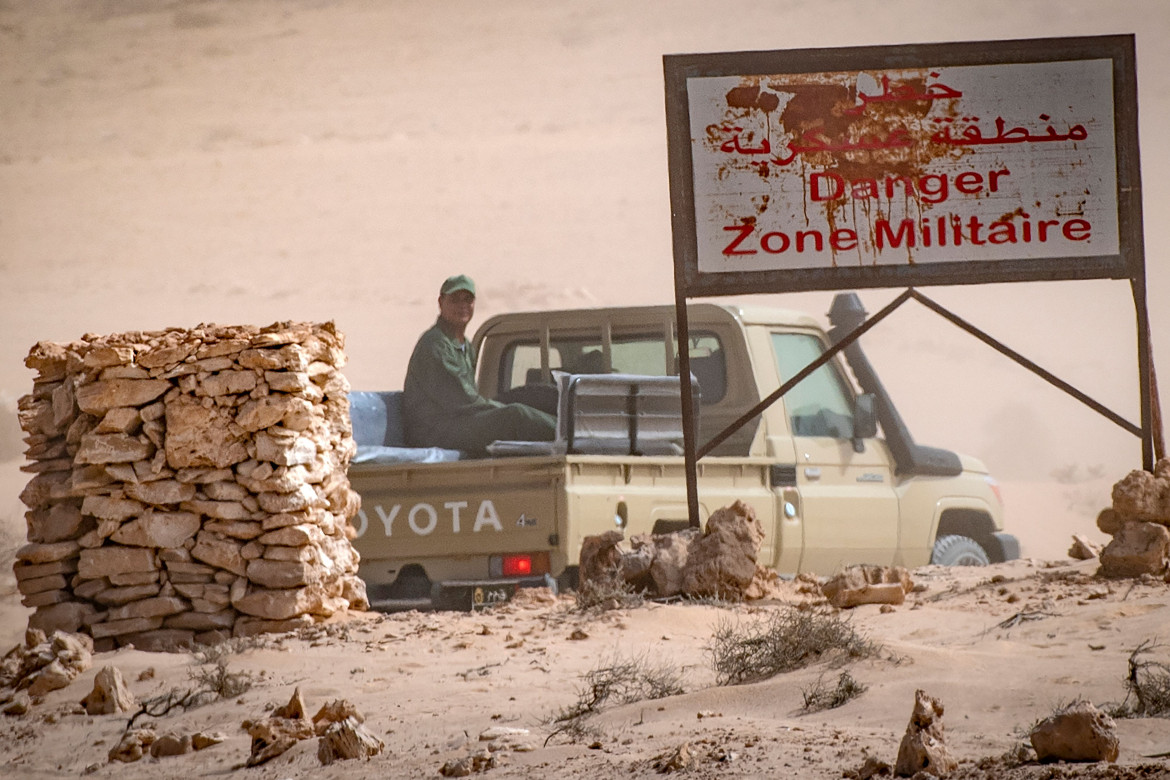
848 503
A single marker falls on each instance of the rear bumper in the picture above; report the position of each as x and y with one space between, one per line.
459 595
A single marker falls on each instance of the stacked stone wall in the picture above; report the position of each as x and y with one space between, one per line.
188 485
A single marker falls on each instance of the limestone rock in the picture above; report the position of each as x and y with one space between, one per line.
29 571
282 574
103 561
681 759
293 536
335 712
45 553
101 396
113 448
68 616
159 606
47 665
56 523
200 436
202 621
1108 521
121 419
44 488
170 744
159 640
353 591
19 704
164 530
1141 495
284 603
722 562
163 492
29 586
111 508
226 491
276 735
269 410
347 740
113 597
1137 548
115 628
201 740
284 448
923 747
133 746
251 626
1079 732
165 462
867 584
109 694
219 552
304 497
1082 549
165 354
218 510
228 383
600 557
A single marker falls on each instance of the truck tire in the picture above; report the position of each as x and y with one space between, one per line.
957 550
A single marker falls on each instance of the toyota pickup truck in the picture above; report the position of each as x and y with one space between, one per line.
440 530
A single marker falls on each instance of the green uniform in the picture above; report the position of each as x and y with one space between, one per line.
442 406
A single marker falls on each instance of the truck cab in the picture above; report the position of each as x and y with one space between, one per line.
845 480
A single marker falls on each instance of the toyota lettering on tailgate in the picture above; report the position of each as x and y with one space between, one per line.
423 518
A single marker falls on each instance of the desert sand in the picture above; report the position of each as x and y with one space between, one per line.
170 163
1001 648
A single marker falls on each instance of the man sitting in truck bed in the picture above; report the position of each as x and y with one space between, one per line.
441 403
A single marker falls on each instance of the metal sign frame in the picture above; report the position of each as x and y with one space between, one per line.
1128 262
679 69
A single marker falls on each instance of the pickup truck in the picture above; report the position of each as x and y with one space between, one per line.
439 530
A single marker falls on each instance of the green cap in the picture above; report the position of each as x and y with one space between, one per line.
457 283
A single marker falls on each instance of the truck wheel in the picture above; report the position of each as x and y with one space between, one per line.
958 551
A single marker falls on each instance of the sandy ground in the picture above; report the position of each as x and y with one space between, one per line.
1001 648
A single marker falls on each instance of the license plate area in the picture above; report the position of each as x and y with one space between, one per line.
472 596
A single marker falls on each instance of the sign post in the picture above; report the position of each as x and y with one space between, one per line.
904 166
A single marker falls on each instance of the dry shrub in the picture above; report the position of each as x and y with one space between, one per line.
821 697
210 682
788 639
1147 684
616 682
218 682
606 593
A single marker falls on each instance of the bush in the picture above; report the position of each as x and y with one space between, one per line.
821 697
789 639
1147 684
605 593
616 682
210 681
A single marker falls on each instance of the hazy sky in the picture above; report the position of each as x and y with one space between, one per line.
165 164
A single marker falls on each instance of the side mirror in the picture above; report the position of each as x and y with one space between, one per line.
865 417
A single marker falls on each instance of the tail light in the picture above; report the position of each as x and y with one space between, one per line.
995 489
519 565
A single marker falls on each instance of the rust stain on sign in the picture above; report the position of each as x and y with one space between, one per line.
805 170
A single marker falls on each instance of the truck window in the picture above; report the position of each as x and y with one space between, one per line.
636 354
820 405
